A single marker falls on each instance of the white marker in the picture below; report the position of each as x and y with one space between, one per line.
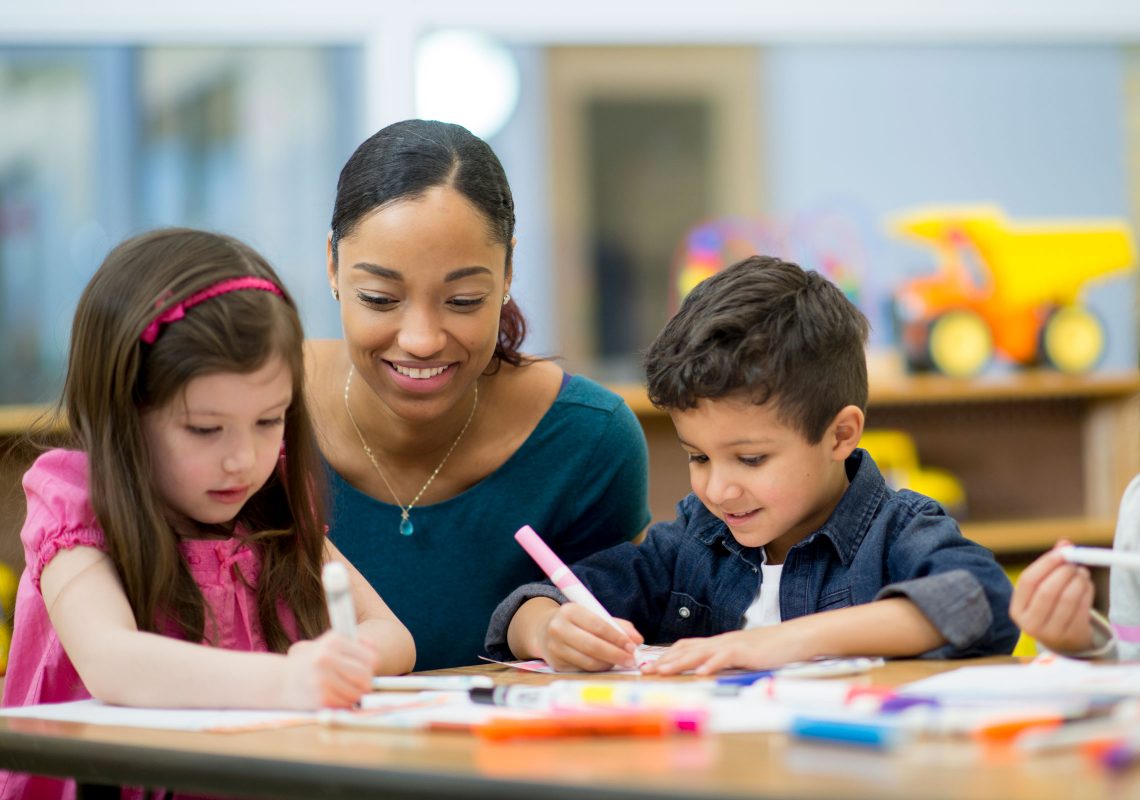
431 683
1100 557
338 593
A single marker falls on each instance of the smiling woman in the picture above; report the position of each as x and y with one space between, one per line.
441 437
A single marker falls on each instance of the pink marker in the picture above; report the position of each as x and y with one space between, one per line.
561 576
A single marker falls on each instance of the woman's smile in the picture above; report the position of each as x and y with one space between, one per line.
421 379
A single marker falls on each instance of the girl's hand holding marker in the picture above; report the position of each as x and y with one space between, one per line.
1100 557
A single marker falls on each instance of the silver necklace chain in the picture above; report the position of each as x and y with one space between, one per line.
404 510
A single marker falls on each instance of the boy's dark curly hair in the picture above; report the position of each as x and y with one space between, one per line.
764 329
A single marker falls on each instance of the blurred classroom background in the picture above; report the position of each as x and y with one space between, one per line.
634 135
621 126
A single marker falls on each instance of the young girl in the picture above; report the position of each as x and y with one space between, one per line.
174 550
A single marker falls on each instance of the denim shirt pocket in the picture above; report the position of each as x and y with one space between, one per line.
838 598
684 616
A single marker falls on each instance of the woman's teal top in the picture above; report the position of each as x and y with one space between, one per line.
580 480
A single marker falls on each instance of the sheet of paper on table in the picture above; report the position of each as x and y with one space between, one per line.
93 712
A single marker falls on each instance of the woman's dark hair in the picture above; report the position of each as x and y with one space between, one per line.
406 159
764 329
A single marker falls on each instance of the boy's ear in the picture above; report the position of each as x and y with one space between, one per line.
845 431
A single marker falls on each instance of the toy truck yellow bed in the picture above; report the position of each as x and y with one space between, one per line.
1013 288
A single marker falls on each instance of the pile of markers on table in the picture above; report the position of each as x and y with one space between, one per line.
1096 716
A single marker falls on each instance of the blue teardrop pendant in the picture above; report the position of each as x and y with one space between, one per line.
406 527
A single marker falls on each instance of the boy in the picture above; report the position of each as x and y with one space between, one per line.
791 531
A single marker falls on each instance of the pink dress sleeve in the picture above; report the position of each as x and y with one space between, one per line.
59 514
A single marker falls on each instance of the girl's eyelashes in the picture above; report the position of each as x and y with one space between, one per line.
697 458
269 422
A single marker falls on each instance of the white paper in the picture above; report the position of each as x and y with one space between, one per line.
1059 677
93 712
647 653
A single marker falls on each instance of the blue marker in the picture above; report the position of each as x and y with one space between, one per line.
854 732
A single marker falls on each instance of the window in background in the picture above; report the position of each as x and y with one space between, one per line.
45 183
99 143
645 143
650 168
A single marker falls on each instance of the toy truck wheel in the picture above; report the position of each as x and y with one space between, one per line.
960 344
1073 339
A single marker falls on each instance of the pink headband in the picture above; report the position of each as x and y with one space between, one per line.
178 310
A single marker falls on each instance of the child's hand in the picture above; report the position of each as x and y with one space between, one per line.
329 671
757 648
574 638
1051 603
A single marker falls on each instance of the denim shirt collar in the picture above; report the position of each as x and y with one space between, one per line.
845 527
851 519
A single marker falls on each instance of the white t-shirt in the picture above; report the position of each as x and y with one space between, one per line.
765 609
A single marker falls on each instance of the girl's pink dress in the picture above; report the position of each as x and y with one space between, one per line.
60 517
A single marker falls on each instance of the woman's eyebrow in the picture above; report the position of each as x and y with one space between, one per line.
396 275
378 271
463 272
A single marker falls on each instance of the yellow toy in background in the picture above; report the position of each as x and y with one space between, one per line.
897 458
1008 288
1026 644
8 583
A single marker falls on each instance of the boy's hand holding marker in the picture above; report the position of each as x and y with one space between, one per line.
581 634
575 639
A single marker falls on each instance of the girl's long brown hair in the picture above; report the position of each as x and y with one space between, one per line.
113 376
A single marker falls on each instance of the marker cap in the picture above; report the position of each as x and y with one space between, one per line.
334 577
538 550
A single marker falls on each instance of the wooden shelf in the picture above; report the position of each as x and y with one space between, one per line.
1020 386
17 420
933 389
900 390
1048 453
1036 535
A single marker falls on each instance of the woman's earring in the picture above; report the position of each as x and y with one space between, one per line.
506 298
335 294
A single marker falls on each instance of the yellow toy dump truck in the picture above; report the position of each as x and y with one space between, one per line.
1009 288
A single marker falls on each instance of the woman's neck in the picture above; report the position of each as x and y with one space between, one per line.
397 440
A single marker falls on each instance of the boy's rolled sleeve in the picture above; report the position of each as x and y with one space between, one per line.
954 602
954 582
496 641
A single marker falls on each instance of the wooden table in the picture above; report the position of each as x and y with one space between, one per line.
314 761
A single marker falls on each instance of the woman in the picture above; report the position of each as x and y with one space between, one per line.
441 438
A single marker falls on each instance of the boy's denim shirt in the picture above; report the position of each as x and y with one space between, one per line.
690 577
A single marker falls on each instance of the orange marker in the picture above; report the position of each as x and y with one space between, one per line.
1006 730
644 723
